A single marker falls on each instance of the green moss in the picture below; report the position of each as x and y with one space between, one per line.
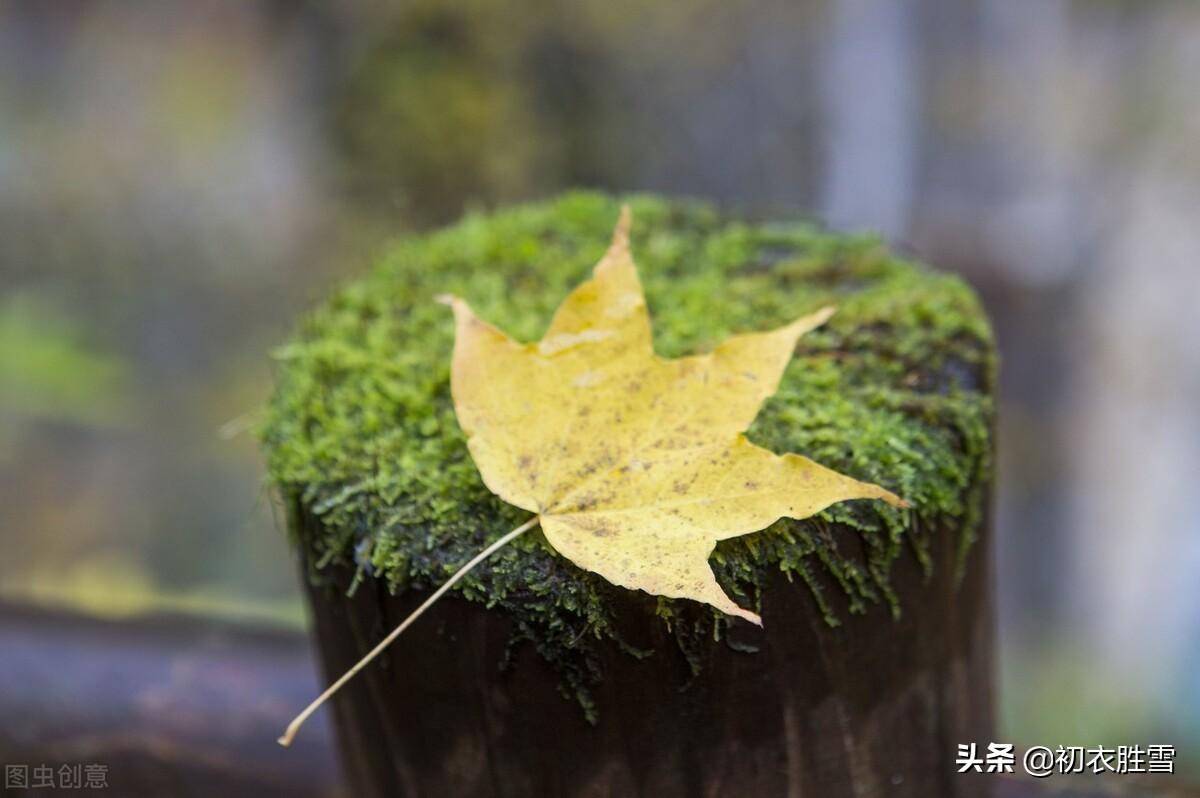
895 389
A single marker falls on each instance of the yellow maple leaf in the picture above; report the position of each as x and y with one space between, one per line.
635 464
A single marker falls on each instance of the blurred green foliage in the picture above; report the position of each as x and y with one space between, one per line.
431 114
50 372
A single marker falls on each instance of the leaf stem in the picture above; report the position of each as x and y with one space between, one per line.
500 543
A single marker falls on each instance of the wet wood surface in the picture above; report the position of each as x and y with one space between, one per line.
171 706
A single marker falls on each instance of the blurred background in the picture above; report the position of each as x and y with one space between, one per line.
180 180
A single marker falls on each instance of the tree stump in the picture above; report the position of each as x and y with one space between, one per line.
537 678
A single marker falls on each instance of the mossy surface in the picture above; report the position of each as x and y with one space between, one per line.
896 390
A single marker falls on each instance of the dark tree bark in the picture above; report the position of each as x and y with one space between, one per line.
875 707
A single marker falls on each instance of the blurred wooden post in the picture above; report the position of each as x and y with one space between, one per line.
169 705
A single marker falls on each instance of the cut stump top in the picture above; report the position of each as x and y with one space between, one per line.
896 389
